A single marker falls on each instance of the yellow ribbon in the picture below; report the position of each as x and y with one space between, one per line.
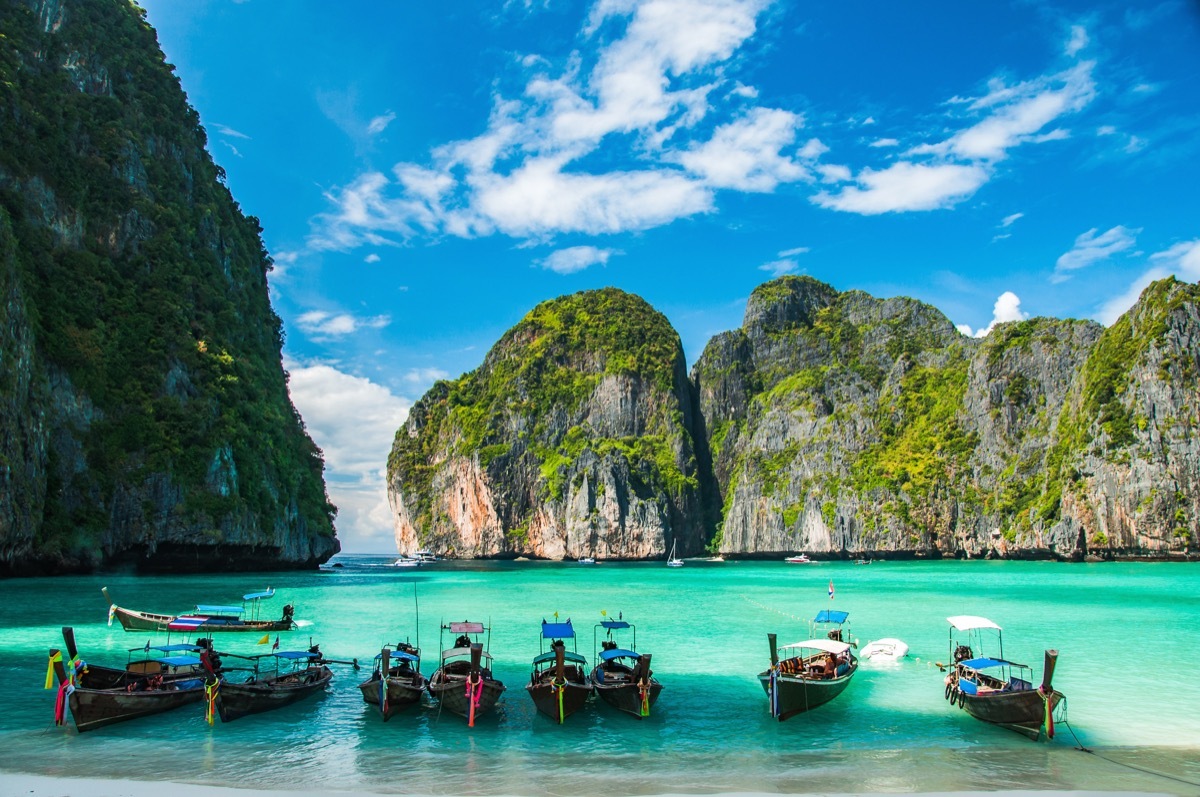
50 669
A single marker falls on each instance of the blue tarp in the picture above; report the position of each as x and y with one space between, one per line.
617 653
295 654
984 663
557 630
831 616
398 654
179 661
611 624
206 608
253 596
171 648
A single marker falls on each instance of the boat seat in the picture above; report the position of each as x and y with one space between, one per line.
146 667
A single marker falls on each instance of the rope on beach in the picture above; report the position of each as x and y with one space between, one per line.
1147 770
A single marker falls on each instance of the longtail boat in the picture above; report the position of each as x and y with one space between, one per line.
396 681
463 683
805 675
205 618
559 684
622 677
99 696
993 689
292 675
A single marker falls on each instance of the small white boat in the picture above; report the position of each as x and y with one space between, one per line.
404 561
587 560
798 560
425 556
672 560
886 649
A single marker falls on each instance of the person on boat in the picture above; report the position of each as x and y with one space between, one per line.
830 666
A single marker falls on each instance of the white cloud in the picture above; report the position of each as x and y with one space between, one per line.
747 154
785 263
1181 260
885 142
1106 130
371 258
906 186
380 123
425 376
320 325
232 148
226 130
941 174
1007 221
799 250
353 420
1079 40
576 258
1091 248
1006 308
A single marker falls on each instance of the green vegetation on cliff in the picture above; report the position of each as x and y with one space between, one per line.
146 289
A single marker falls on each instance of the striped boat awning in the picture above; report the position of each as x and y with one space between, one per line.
186 622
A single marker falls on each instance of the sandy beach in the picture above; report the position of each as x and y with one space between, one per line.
19 784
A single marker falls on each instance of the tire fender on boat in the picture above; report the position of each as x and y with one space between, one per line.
962 699
949 688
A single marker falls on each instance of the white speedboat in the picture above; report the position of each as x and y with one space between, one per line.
798 560
886 649
404 561
587 560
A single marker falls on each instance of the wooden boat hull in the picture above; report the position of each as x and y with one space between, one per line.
132 620
796 695
625 695
546 698
95 708
401 693
451 694
1023 711
236 700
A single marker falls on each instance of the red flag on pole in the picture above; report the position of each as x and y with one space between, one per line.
276 645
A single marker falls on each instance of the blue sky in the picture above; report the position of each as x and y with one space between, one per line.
425 173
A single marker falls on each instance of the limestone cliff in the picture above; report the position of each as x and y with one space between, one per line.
144 415
844 425
573 438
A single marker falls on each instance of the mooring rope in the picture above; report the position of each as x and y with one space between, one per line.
1084 749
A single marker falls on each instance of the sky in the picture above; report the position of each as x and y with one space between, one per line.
426 173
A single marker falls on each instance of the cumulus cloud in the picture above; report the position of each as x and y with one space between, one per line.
1079 40
320 325
885 142
940 174
1006 308
1181 260
1092 247
651 92
576 258
371 258
353 420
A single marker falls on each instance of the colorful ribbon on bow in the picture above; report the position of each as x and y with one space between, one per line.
211 690
50 669
644 694
474 694
1049 711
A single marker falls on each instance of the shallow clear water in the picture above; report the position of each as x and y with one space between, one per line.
1126 635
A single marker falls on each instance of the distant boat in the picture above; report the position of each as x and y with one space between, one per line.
587 560
559 684
884 650
672 560
426 556
805 675
99 696
464 683
996 690
405 561
293 676
863 561
396 681
206 618
622 677
802 559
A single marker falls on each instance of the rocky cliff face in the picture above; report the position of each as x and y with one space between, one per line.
144 414
846 425
573 438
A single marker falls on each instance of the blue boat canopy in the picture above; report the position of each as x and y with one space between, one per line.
985 663
207 608
831 616
253 596
557 630
617 653
179 661
295 654
398 654
171 648
568 656
611 624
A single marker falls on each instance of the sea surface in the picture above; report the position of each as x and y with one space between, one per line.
1128 636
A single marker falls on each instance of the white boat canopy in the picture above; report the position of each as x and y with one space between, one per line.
827 645
969 622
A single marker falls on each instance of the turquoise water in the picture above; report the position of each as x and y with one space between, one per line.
1126 635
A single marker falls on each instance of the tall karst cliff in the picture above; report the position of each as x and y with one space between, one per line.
573 438
844 424
144 414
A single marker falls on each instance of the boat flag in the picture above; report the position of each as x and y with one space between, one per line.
147 645
276 645
831 589
266 638
111 611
